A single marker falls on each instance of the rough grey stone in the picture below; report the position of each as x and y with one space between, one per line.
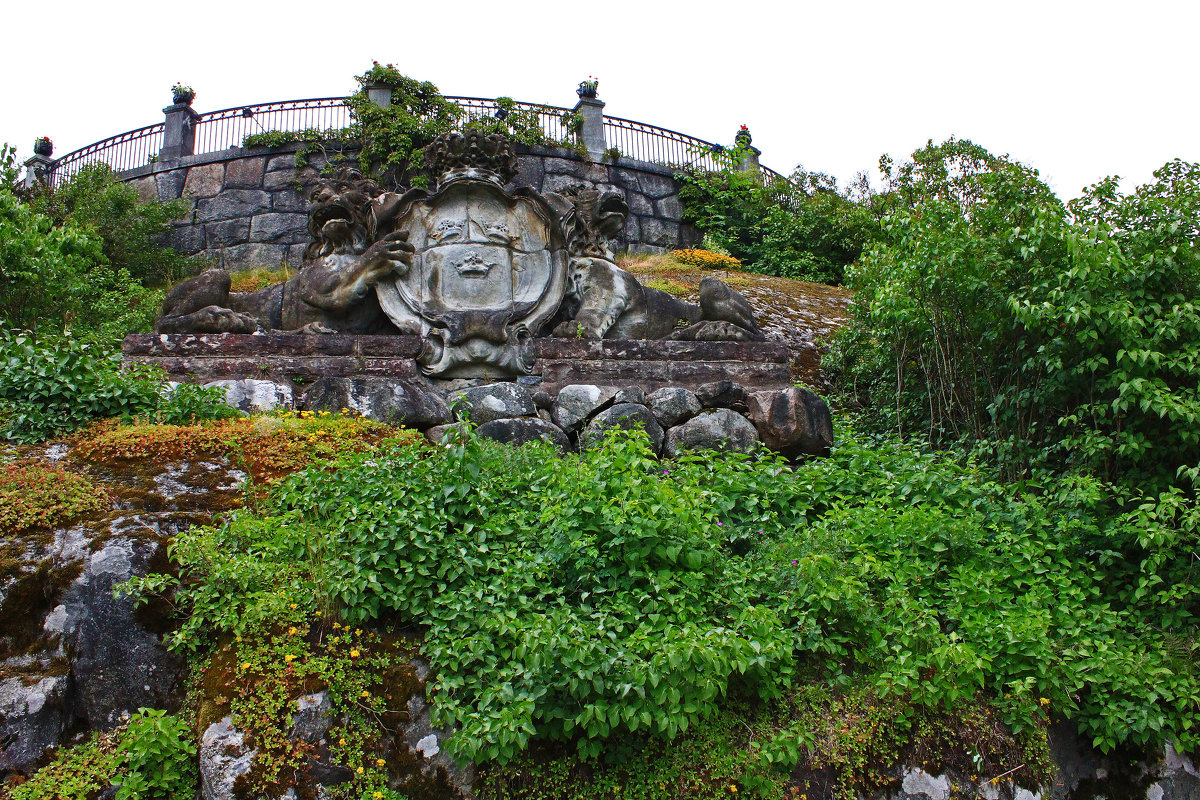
224 757
542 400
627 416
672 406
482 404
638 204
656 186
233 203
576 403
563 166
251 255
313 717
169 184
396 402
722 394
632 232
227 232
34 719
558 183
283 163
146 188
529 172
920 785
523 430
659 233
289 200
252 395
719 429
295 254
284 228
631 394
187 239
669 208
204 180
438 434
279 180
793 421
244 173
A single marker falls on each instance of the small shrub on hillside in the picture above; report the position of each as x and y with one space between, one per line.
159 757
35 494
80 772
705 259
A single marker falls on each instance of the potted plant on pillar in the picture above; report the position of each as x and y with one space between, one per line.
43 146
587 89
183 95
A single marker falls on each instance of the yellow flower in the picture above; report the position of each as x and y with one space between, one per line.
246 665
377 795
354 654
342 742
366 693
293 606
1044 701
358 631
380 762
289 658
292 631
360 770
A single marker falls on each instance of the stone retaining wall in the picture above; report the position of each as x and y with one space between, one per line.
249 206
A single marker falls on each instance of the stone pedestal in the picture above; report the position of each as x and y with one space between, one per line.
592 132
38 170
380 94
179 132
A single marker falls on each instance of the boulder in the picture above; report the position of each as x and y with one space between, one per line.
719 429
483 404
577 402
627 416
396 402
35 717
631 394
673 405
224 757
543 400
251 395
522 430
723 394
792 421
438 434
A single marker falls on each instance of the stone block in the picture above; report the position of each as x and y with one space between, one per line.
576 404
187 239
793 421
252 256
669 208
233 203
626 178
673 405
283 163
632 232
638 204
529 172
252 395
659 233
204 180
169 184
244 173
289 200
557 183
395 402
564 166
226 233
657 186
722 430
482 404
524 430
285 179
282 228
295 254
146 188
597 173
626 416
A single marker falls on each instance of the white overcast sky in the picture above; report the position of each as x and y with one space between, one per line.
1078 90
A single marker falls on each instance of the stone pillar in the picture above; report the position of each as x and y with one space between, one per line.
747 153
179 132
38 170
380 94
592 132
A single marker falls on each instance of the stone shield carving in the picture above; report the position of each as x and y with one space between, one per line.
489 269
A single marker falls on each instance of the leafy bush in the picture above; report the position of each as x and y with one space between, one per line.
33 494
803 227
76 773
53 387
159 755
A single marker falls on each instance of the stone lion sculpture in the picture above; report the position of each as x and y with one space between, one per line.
332 293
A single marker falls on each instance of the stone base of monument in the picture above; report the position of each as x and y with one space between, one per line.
685 395
298 360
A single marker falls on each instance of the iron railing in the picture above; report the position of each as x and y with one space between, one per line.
229 127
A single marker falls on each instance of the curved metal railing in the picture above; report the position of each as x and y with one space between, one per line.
229 127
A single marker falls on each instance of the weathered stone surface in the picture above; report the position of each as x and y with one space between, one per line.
920 784
673 405
169 184
659 233
627 416
559 183
288 200
656 186
244 173
253 396
542 399
227 232
576 404
34 717
482 404
632 232
284 228
282 163
723 394
187 239
669 208
439 434
313 717
792 421
631 394
146 188
529 172
232 203
204 181
251 256
639 205
523 430
717 429
395 402
224 757
563 166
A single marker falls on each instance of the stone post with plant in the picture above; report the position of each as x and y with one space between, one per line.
179 125
747 154
40 166
591 109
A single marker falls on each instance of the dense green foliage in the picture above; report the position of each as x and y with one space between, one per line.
595 597
803 227
51 388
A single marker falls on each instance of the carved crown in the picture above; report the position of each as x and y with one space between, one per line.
471 154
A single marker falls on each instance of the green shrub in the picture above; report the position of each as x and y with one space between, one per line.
159 757
76 773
